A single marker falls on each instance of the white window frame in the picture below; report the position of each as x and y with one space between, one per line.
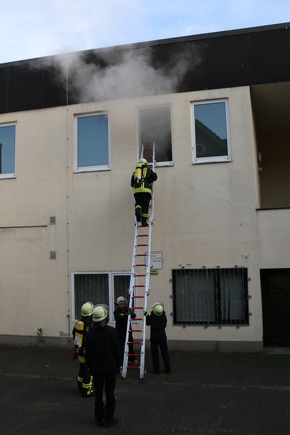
10 174
80 169
111 276
213 159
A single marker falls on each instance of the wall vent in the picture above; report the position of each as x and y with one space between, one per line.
53 255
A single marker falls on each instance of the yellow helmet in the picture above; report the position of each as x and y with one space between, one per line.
99 313
142 162
158 308
87 309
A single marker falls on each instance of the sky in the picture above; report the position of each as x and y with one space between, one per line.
37 28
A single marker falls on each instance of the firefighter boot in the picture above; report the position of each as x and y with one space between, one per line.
138 213
144 222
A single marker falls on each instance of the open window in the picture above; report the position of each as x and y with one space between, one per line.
155 128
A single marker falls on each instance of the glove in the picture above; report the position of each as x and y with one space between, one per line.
146 313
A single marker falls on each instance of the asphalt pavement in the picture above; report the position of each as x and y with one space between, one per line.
206 393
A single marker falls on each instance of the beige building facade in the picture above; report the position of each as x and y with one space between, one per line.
221 221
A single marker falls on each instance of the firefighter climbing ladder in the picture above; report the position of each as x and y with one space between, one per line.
139 284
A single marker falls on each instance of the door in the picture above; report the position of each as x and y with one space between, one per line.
275 285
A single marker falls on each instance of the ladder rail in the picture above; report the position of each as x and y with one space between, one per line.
133 288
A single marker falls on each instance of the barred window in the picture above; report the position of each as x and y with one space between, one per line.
210 296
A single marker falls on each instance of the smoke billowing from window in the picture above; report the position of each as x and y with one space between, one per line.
133 73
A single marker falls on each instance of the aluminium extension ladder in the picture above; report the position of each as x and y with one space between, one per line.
139 284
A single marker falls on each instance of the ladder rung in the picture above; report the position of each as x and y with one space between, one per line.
142 244
139 265
139 274
139 285
134 342
141 255
133 367
138 308
137 330
142 235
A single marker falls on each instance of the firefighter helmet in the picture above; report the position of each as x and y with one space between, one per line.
99 313
142 162
87 309
158 308
121 299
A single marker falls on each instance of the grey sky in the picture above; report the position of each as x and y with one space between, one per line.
36 28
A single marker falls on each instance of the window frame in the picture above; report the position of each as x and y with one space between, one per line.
139 141
92 168
9 175
212 159
211 297
112 291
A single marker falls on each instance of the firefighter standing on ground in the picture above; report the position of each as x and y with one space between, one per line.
157 321
142 180
80 331
103 360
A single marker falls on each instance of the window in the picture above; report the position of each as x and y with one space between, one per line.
155 128
210 132
92 143
7 151
99 288
210 296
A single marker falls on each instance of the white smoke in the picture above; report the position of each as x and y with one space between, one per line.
124 74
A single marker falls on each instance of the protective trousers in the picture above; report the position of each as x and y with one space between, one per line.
142 201
105 380
155 345
84 379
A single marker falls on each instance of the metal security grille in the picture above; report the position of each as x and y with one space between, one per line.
210 296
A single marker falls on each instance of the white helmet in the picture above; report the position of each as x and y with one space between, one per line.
158 308
121 299
87 309
99 313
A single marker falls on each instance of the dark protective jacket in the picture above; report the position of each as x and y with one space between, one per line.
158 325
145 183
102 349
121 318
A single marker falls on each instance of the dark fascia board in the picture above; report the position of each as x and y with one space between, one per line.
226 59
152 43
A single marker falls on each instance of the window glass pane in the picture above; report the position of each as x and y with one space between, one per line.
121 286
7 149
232 293
210 130
155 127
92 141
90 287
195 296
